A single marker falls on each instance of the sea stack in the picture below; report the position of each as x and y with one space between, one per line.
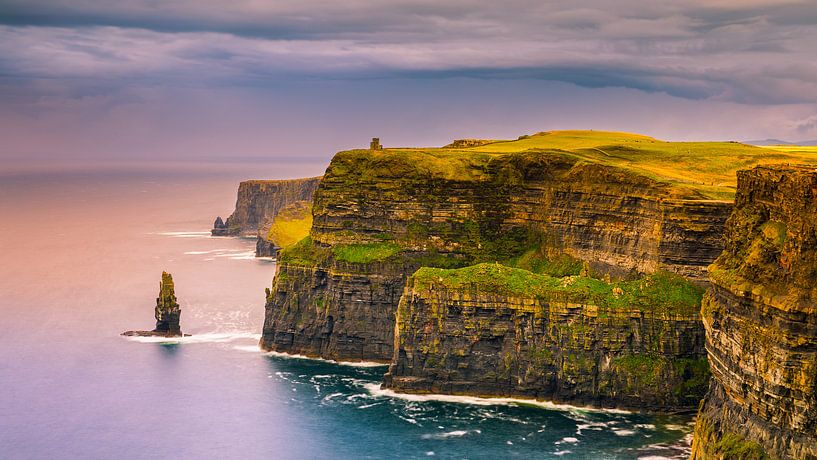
167 312
220 228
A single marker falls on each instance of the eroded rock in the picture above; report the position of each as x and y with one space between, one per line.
167 312
760 317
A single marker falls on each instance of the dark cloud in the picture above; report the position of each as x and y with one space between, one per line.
189 75
697 49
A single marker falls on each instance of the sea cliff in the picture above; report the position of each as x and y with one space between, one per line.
259 201
491 330
760 317
379 215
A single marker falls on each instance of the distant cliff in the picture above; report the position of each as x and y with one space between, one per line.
491 330
381 215
760 317
290 225
259 201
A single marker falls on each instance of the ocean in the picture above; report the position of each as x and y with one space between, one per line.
83 250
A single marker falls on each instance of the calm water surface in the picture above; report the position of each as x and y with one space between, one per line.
82 257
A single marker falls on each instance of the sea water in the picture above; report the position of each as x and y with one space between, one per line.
83 251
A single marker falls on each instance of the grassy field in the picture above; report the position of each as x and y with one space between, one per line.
705 167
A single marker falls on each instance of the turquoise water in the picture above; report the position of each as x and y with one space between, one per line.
84 253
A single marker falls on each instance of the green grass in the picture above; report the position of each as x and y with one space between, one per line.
303 253
365 253
661 291
734 446
705 170
556 264
646 367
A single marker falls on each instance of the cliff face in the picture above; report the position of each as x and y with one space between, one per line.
575 340
259 201
380 215
760 317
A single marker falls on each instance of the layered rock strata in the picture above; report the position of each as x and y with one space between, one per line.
381 215
760 317
622 346
259 201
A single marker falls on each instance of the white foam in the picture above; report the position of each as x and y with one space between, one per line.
450 434
207 337
675 427
374 389
567 440
248 255
562 452
342 363
366 406
645 426
248 348
184 234
214 251
624 432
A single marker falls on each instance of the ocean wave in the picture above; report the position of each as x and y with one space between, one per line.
278 354
184 234
449 434
248 348
208 337
567 440
375 390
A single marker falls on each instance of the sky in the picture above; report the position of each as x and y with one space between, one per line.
252 79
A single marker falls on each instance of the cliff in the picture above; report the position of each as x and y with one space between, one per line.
259 201
290 225
379 215
491 330
760 317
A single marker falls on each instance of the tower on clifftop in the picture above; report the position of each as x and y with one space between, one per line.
375 144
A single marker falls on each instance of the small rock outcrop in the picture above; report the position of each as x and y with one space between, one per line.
760 316
219 228
167 312
467 143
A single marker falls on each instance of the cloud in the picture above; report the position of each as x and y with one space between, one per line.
806 125
754 52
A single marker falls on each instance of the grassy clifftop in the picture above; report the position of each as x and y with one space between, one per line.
661 291
703 169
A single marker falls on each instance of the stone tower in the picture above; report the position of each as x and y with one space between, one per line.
375 144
